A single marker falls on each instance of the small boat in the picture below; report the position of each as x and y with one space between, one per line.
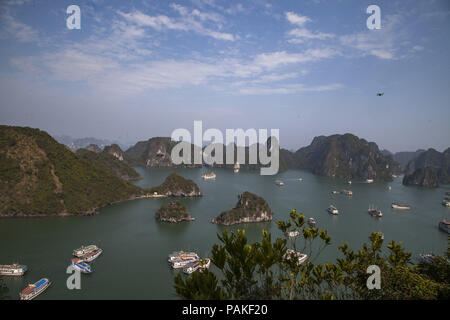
350 182
347 192
427 258
394 176
292 234
446 203
12 269
81 266
400 206
279 182
444 225
35 289
389 188
375 213
369 180
312 222
84 250
236 167
335 192
209 176
301 257
92 255
333 210
300 179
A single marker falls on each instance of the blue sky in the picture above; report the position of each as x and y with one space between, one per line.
138 69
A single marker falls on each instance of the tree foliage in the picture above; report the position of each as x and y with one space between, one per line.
262 271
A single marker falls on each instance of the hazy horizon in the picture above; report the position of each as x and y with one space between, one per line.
140 69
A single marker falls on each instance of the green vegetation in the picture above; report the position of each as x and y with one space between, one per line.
177 185
108 162
40 176
174 211
259 271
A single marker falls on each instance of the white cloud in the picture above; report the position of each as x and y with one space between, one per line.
18 30
288 89
190 20
297 19
299 34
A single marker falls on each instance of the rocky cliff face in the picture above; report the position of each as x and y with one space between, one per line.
173 212
345 156
429 169
423 177
39 176
155 152
115 151
249 208
94 148
176 185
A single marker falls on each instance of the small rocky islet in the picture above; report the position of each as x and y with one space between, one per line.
173 212
249 208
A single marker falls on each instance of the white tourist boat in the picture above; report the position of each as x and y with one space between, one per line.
292 234
12 270
400 206
312 222
333 210
92 255
209 176
301 257
84 250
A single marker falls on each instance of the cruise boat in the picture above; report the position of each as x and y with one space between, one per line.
333 210
84 250
181 255
444 225
81 266
181 263
375 213
347 192
35 289
92 255
236 167
369 180
400 206
312 222
12 270
209 176
292 234
279 182
301 257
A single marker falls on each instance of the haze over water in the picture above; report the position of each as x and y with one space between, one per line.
134 261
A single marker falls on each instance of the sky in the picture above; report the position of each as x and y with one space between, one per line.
139 69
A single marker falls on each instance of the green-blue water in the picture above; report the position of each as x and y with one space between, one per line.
134 261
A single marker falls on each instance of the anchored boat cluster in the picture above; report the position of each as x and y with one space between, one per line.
83 255
190 262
